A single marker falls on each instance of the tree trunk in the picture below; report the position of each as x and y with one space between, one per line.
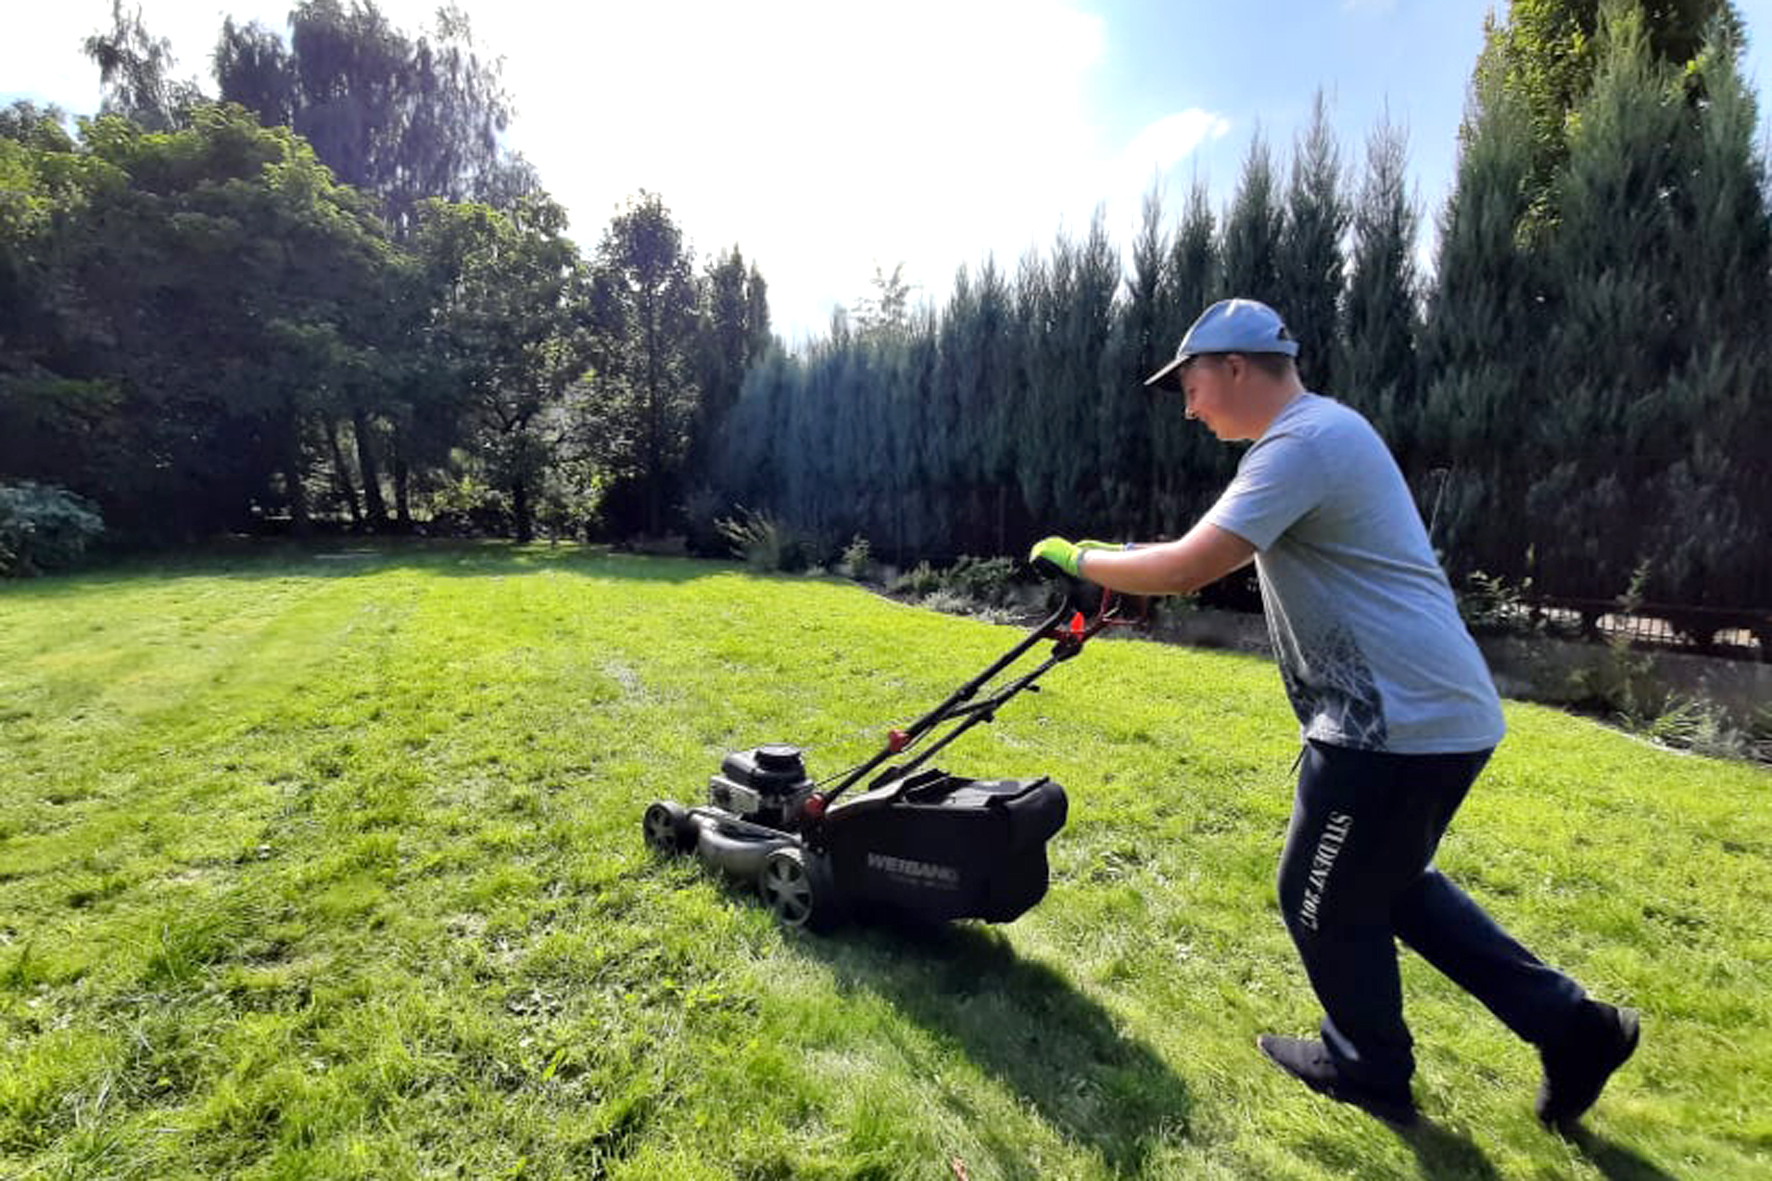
342 474
299 522
372 500
520 510
402 487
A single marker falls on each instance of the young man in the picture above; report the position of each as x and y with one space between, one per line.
1398 714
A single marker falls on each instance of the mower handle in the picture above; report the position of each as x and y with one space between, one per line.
1068 636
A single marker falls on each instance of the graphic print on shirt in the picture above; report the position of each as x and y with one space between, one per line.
1331 688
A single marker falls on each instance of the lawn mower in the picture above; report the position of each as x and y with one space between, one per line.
916 842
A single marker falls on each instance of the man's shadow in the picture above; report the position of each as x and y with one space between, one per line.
1027 1026
1614 1160
1443 1153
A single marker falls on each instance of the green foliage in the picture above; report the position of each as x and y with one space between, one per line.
408 117
1490 605
857 561
765 544
920 581
643 313
1309 264
1377 369
1250 251
44 528
135 71
983 580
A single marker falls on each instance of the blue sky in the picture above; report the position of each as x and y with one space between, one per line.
825 138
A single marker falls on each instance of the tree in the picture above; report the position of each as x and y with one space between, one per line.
514 324
135 70
1482 338
200 291
886 312
733 321
405 117
1377 369
1550 53
647 304
1250 249
1659 253
1308 262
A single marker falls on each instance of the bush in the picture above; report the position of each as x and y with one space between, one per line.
765 544
43 527
1490 606
466 506
857 559
918 582
983 580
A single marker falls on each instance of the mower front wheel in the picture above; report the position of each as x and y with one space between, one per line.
668 828
797 886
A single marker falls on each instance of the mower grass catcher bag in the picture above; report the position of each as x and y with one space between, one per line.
936 846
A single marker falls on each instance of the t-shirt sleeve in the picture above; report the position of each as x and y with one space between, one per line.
1279 481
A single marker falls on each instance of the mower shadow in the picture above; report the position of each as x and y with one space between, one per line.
1025 1024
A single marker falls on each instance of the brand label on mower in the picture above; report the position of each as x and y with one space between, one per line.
922 873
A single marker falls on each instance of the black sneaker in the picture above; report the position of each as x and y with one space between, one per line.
1308 1061
1577 1065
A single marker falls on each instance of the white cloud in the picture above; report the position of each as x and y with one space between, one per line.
1163 144
822 138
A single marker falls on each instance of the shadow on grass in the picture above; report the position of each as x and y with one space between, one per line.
1026 1025
1443 1153
350 557
1614 1160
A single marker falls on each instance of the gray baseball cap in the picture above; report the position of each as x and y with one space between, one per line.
1228 326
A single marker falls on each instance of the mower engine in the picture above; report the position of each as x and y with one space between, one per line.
766 785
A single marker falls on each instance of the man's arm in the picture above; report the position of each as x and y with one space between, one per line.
1180 567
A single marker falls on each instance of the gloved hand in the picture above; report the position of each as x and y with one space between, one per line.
1063 554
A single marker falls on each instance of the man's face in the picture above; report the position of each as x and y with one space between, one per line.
1208 383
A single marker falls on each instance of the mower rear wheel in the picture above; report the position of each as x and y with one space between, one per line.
668 828
797 886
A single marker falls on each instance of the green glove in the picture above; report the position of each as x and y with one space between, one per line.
1056 551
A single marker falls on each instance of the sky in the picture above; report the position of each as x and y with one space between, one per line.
828 138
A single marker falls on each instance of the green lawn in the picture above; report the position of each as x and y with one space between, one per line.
317 866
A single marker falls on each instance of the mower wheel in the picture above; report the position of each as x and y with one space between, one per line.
668 828
797 885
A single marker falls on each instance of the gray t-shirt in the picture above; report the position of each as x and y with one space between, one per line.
1364 626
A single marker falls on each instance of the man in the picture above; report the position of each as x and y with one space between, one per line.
1398 714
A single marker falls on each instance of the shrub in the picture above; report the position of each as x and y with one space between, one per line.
1700 726
765 544
468 505
984 580
857 559
919 582
1490 606
43 527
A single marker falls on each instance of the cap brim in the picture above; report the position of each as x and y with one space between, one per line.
1169 376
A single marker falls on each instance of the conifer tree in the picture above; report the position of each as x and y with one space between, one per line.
1309 265
1480 342
1251 246
1377 371
1606 441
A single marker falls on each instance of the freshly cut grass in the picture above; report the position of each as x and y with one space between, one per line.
330 866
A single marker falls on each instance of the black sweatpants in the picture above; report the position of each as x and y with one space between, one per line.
1357 874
